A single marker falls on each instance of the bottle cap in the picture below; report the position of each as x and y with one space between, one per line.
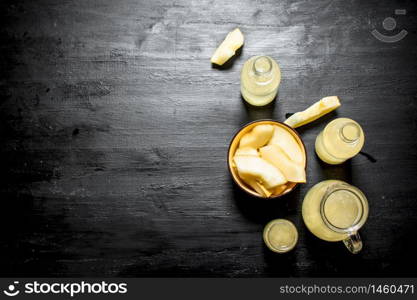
280 235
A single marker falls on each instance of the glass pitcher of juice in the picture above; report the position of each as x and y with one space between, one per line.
259 80
340 140
334 211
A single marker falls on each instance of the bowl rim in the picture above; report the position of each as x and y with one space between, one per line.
229 167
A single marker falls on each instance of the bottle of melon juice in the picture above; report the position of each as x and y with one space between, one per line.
259 81
340 140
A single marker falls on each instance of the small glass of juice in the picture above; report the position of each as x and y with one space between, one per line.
334 211
280 235
340 140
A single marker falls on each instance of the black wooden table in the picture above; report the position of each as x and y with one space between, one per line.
115 128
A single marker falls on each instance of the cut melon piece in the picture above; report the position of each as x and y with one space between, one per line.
247 151
315 111
279 189
233 41
258 187
257 137
276 156
256 168
288 144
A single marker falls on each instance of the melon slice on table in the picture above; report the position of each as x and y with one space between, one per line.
315 111
233 41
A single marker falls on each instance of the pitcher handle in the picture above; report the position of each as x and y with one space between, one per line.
353 242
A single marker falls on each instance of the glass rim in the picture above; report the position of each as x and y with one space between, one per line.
359 220
285 247
345 138
261 72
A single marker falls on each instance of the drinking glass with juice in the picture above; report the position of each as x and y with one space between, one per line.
340 140
280 235
334 211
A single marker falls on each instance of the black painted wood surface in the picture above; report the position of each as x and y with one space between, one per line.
115 128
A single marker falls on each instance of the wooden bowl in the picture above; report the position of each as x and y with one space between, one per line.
234 144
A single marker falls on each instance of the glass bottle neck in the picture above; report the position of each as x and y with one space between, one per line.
350 132
262 66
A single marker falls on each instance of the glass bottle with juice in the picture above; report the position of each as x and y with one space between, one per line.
340 140
260 80
334 211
